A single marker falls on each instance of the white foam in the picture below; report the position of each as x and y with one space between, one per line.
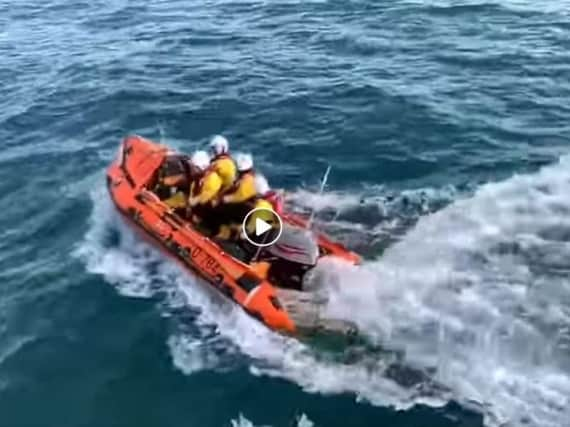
475 292
489 321
241 421
122 265
320 201
304 421
190 354
136 270
385 200
370 216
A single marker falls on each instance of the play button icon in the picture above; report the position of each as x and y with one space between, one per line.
262 227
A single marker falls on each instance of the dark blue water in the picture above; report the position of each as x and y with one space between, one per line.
446 126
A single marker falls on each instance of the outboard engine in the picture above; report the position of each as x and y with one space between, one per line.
295 253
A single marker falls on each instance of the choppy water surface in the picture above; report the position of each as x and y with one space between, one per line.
446 125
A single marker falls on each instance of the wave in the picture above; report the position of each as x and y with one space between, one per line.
374 217
475 293
479 293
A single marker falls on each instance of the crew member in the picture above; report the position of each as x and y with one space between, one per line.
234 204
243 188
262 206
264 191
173 184
205 187
222 162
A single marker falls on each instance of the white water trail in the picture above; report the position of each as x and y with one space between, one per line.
138 270
478 292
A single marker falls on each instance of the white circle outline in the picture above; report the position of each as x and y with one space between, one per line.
244 228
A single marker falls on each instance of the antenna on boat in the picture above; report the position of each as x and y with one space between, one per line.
161 132
321 190
259 249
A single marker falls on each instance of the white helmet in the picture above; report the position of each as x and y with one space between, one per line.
200 159
244 162
219 145
261 185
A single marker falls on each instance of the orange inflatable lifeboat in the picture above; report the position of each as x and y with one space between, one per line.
130 179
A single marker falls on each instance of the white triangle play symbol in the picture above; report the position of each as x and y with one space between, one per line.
261 227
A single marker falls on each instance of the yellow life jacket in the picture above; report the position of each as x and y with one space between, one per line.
206 188
243 189
177 201
226 169
264 215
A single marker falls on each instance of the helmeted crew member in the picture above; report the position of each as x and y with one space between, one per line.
234 203
263 205
263 208
222 162
173 182
205 186
243 188
272 196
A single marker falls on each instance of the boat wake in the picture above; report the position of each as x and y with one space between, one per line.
372 219
475 294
